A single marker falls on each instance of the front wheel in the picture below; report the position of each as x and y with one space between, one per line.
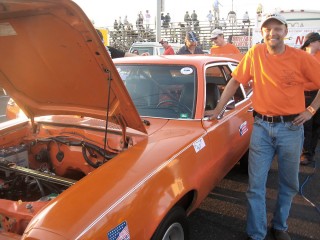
174 226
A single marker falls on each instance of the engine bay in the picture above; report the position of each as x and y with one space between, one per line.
37 168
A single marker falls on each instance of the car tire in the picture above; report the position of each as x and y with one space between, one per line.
244 163
174 226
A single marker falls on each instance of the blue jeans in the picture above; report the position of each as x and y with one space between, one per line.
268 140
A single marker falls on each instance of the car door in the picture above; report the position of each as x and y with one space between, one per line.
229 136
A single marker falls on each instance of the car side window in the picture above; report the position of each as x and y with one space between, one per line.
238 96
217 78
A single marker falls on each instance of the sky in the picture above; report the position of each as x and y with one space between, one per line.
104 12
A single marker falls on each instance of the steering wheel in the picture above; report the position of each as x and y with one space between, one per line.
175 104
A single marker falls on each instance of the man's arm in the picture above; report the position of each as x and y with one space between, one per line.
309 111
228 92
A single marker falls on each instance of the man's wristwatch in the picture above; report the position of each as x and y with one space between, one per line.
311 110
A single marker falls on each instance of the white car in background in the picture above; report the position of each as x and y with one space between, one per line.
153 48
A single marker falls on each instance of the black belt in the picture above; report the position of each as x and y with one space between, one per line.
275 119
310 93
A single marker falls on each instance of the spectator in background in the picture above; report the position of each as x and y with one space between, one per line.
147 17
220 46
259 9
311 127
191 45
115 25
166 23
168 50
187 18
126 22
120 24
162 19
167 19
210 18
141 18
139 21
135 52
246 19
194 17
232 17
216 10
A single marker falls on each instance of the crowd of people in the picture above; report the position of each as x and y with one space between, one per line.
145 20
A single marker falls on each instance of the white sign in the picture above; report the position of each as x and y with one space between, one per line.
294 38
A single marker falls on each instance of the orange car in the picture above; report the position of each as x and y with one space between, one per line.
110 150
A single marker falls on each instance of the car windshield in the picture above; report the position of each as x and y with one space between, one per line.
164 91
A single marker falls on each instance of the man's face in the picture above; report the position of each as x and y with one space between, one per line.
273 33
190 43
218 41
164 44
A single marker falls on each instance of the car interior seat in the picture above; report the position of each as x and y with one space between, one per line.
212 96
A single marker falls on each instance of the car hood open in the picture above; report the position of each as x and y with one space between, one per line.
53 62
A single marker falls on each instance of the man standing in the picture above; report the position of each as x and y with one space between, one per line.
220 46
148 18
168 50
311 128
246 19
187 18
210 17
191 45
279 73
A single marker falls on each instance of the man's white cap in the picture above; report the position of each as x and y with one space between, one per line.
275 16
216 33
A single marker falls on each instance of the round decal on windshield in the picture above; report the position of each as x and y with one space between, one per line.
186 70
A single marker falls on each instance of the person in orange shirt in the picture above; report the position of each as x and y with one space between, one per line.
168 50
279 73
220 46
311 128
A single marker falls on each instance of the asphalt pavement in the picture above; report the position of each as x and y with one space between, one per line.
222 215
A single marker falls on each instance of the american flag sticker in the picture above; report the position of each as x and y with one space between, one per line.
120 232
243 128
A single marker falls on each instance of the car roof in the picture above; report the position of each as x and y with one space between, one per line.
175 59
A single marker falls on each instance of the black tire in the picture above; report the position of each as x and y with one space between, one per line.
174 226
244 163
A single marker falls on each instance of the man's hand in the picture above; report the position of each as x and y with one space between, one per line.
302 118
212 114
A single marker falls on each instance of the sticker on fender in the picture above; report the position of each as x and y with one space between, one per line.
199 144
120 232
243 128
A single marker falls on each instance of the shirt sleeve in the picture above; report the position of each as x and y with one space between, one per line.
243 70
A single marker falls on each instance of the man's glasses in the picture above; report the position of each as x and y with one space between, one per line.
213 39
